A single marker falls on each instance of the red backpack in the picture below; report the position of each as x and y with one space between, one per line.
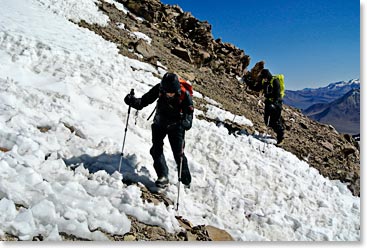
185 86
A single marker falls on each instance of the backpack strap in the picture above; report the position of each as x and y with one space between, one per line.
183 93
185 87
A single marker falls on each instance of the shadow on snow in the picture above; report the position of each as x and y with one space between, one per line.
110 164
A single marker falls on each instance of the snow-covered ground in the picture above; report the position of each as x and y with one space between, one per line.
63 78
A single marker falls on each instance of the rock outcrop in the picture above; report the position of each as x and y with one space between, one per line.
186 37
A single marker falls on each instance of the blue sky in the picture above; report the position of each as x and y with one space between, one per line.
313 43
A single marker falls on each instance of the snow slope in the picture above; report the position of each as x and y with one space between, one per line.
58 76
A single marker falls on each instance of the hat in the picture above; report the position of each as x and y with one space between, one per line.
265 73
170 83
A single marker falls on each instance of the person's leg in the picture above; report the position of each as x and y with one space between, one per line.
276 122
267 112
177 140
156 151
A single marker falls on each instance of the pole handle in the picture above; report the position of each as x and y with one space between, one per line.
132 93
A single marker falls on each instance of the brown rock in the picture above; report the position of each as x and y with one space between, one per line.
348 149
188 76
328 146
184 223
191 237
217 234
4 149
44 129
182 53
129 237
303 125
144 49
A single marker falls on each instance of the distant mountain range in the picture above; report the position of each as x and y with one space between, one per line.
302 99
343 113
337 104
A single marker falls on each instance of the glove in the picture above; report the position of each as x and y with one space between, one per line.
187 122
129 99
272 107
133 102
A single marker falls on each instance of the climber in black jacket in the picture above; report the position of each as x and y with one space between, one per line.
273 103
174 114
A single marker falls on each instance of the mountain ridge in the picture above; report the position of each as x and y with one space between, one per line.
343 113
302 99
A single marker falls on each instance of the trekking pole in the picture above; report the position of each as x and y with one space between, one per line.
179 184
152 112
179 178
127 123
266 130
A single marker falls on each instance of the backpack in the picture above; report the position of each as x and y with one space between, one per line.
185 86
280 77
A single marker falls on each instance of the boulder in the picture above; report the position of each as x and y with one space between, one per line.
182 53
216 234
144 49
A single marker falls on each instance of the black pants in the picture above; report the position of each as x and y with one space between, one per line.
272 118
176 137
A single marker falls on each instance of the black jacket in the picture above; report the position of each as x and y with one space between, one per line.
169 111
272 91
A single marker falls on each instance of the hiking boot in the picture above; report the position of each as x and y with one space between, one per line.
280 141
187 186
161 182
280 138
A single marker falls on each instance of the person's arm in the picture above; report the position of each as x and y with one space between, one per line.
188 112
150 96
145 100
276 90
